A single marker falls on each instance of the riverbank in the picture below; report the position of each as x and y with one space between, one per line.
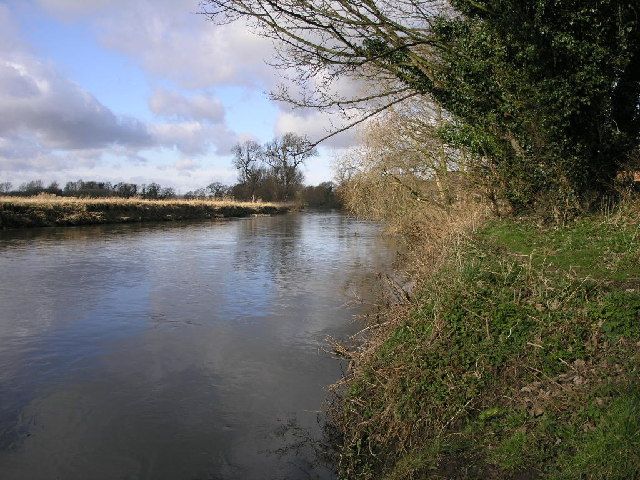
49 211
518 358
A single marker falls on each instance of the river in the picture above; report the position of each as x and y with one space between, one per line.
176 350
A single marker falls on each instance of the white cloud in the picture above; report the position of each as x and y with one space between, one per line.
9 36
186 164
197 107
23 155
56 112
48 118
194 138
316 125
200 124
44 114
50 123
171 40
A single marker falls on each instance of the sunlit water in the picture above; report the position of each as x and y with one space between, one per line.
175 351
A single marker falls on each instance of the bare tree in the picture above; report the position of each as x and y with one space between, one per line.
32 187
248 157
402 161
5 187
388 44
285 155
152 191
217 189
125 190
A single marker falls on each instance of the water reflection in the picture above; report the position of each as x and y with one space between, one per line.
174 351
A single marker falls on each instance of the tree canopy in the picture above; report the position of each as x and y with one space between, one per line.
544 94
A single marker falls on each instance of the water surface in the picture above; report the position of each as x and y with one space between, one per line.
175 351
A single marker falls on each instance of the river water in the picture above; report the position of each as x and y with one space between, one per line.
176 351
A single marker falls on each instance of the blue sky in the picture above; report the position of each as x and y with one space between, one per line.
138 90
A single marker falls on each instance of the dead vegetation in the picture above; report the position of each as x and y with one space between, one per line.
406 177
51 210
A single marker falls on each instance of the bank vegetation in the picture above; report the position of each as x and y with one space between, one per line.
513 350
50 210
501 146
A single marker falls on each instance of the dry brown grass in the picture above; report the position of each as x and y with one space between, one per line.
51 210
45 199
428 228
405 176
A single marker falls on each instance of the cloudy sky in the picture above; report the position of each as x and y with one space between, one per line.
135 90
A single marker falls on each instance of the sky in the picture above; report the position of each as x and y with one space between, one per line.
137 91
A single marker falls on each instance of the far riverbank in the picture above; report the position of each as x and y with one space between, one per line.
52 211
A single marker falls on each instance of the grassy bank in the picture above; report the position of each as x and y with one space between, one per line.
47 211
518 359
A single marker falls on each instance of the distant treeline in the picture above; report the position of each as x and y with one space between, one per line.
319 196
323 195
90 189
270 173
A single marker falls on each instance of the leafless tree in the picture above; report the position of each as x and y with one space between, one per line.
285 155
248 157
5 187
402 159
387 45
217 189
32 187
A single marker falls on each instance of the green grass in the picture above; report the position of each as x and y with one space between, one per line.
591 246
610 448
518 360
